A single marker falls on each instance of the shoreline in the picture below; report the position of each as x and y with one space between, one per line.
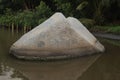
107 35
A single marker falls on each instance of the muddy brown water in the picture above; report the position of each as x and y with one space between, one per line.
105 66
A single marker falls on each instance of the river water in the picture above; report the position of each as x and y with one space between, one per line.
105 66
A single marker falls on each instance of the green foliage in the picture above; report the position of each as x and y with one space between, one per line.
113 29
82 5
107 29
113 42
87 22
31 13
41 20
42 12
26 18
103 9
7 19
65 8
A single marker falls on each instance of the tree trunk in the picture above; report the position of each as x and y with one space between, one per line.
25 5
30 28
24 29
9 28
12 28
17 28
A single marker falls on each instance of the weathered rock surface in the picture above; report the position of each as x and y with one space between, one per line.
56 38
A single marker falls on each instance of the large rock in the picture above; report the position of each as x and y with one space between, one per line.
56 38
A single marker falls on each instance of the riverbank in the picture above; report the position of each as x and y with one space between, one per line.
107 32
107 35
106 29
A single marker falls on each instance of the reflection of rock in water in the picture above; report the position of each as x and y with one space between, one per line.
8 73
60 70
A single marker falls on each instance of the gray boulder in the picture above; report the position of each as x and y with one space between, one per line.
58 37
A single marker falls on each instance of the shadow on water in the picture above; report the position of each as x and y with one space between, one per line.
15 69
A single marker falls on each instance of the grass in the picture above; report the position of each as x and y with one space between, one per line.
113 42
106 29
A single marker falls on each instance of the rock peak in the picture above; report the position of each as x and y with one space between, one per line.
58 15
